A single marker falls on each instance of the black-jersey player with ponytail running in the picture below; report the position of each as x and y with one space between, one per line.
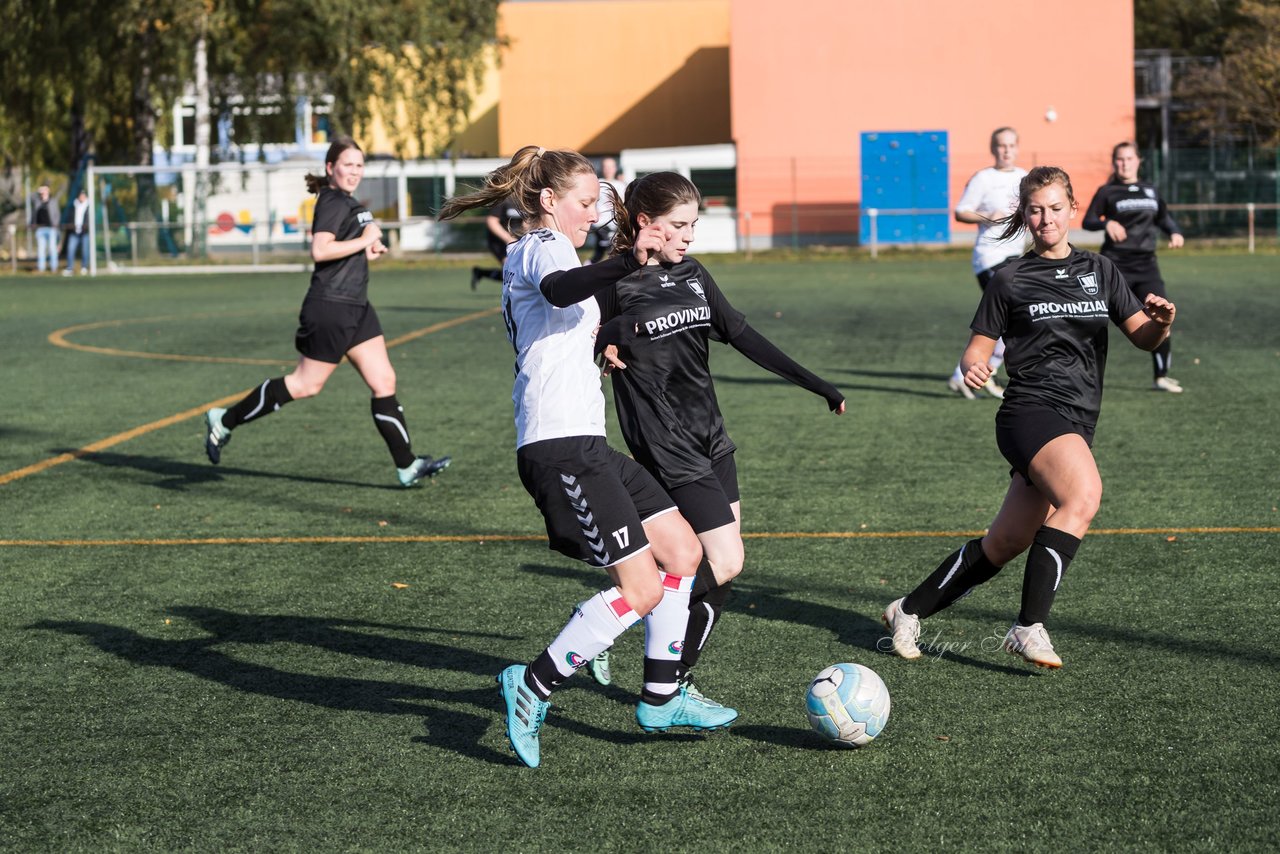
663 316
1052 307
336 320
1132 214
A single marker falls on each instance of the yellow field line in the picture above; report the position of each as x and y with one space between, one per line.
524 538
59 338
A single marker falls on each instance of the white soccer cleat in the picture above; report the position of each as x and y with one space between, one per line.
905 629
994 388
1168 384
959 387
1033 644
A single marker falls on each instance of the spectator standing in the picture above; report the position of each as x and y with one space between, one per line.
78 235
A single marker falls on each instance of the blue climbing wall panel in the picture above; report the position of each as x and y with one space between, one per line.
906 170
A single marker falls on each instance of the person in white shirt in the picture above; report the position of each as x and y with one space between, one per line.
990 197
599 505
78 235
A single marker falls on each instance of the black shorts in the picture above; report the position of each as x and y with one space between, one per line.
1021 433
1141 272
705 502
327 329
594 500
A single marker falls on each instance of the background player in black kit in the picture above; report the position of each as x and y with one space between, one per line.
499 223
1132 212
664 314
336 320
1052 307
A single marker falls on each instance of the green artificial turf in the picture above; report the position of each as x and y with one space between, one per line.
219 659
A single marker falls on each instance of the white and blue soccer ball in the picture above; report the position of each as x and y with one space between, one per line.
848 704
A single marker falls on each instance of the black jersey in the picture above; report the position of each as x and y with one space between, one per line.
665 399
1138 207
1052 315
343 279
509 215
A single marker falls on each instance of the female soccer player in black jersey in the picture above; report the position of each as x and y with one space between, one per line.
666 313
1132 212
1052 307
599 506
336 320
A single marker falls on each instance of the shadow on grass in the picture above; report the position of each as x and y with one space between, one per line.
755 600
177 475
447 728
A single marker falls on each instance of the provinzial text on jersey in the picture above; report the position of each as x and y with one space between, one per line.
1047 310
676 320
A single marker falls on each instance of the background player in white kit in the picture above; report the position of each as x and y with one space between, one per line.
599 506
989 197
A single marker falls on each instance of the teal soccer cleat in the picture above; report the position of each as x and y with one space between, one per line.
525 713
685 709
216 437
420 468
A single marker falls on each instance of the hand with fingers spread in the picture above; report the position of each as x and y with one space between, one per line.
650 241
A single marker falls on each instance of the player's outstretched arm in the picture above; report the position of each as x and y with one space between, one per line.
765 353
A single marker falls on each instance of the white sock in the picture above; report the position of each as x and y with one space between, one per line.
664 631
592 629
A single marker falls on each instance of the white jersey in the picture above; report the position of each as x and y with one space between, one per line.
992 191
557 391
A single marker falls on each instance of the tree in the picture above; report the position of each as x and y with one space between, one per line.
1244 89
80 76
1184 27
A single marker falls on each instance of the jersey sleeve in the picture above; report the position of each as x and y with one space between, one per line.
607 299
329 214
1093 215
1164 219
992 317
726 321
972 194
1122 304
550 254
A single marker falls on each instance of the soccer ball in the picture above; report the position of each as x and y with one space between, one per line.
848 704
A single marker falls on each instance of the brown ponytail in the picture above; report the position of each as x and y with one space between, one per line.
531 170
316 183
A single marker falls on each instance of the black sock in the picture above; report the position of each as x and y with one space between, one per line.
661 672
1160 359
263 400
705 604
542 676
388 417
1047 563
963 570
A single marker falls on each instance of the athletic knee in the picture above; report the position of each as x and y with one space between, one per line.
301 387
726 567
643 598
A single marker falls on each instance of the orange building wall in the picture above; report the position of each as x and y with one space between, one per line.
804 87
603 76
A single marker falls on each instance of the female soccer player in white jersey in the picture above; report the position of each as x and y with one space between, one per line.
336 320
1052 307
599 505
665 314
987 200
